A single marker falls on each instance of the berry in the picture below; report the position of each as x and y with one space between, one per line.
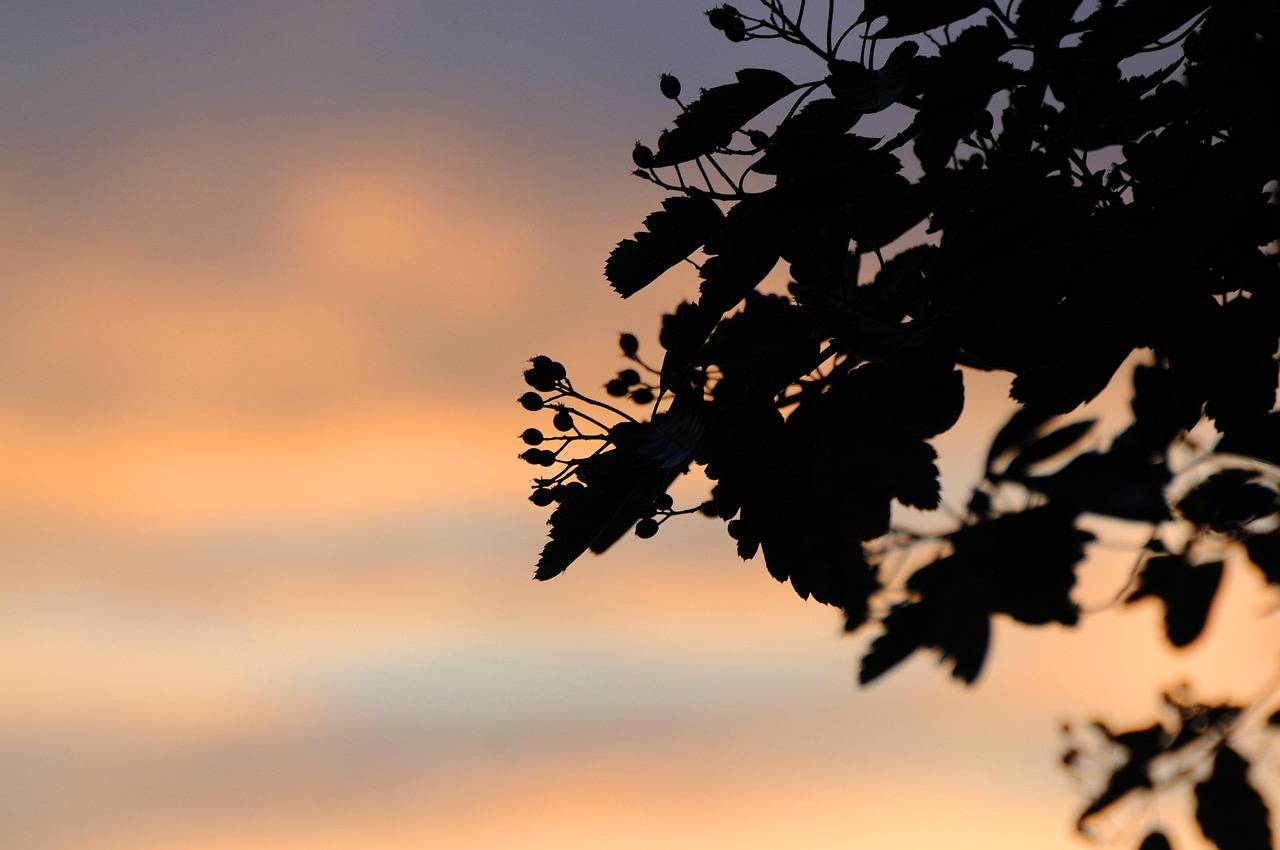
642 156
729 21
759 138
669 86
663 501
646 528
531 436
642 395
630 377
531 401
542 497
544 374
616 388
629 344
563 421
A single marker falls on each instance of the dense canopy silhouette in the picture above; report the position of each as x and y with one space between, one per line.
1065 189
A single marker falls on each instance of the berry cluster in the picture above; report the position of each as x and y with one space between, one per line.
587 428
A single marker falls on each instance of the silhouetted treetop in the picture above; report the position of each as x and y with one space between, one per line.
1044 188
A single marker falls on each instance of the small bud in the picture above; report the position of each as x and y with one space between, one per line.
642 156
669 86
544 374
531 401
629 344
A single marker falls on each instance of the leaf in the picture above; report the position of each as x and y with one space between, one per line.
1228 500
672 234
1187 593
1229 809
1045 447
871 91
1115 483
960 633
1018 431
592 518
1131 776
1024 564
709 122
914 17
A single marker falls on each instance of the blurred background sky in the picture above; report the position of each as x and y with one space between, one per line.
269 273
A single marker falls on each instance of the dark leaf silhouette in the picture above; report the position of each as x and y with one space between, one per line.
1114 483
1187 593
672 234
710 121
1229 809
1228 500
1141 746
1078 196
1017 432
869 90
1043 448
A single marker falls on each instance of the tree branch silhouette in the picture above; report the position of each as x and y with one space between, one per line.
811 414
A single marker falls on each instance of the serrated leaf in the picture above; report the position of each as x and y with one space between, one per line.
682 226
948 623
872 90
1229 809
595 517
709 122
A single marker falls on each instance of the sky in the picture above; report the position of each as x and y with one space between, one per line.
269 274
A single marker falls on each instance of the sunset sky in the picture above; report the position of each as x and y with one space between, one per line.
269 274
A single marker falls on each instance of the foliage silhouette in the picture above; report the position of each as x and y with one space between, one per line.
811 412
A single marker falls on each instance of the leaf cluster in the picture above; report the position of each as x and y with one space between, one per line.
1067 188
